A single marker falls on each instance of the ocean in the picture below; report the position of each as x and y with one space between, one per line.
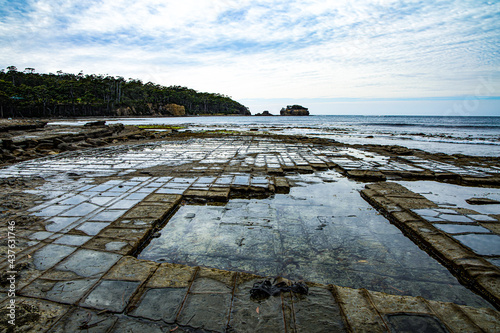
476 136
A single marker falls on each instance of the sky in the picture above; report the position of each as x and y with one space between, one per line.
335 57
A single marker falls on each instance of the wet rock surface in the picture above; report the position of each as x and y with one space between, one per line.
321 231
34 139
465 240
266 202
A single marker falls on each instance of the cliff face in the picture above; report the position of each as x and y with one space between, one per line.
294 110
172 110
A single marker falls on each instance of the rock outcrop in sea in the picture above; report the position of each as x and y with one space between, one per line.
294 110
264 113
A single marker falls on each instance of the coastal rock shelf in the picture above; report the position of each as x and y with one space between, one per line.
29 140
253 154
217 301
214 215
464 240
366 165
322 231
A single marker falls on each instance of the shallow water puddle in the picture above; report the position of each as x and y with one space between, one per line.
322 231
470 229
455 195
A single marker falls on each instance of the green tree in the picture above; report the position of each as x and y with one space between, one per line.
52 95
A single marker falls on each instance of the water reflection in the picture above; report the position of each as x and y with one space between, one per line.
322 232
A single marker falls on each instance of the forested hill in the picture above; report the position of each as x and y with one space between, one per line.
29 94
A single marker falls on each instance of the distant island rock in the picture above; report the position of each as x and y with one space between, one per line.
264 113
294 110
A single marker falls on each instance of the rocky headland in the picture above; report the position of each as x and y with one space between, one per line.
64 95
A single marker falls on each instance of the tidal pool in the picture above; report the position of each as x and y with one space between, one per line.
322 231
450 195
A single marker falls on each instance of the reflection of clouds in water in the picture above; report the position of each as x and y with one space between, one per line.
455 195
322 232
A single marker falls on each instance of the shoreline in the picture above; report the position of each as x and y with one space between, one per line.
54 139
431 143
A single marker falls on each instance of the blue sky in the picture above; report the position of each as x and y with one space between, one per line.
338 57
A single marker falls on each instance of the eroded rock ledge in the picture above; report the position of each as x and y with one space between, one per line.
88 278
414 215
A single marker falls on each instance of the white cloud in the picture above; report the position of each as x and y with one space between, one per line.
264 48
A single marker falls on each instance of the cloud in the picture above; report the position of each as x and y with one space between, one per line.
264 48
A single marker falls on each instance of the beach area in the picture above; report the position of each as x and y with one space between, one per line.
243 224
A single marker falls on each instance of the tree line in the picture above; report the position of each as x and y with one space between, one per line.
29 94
